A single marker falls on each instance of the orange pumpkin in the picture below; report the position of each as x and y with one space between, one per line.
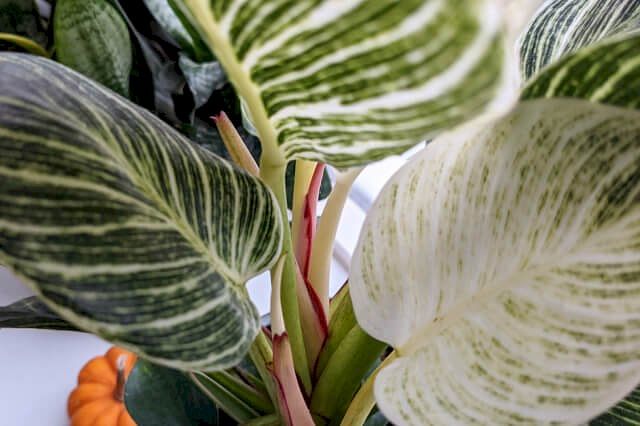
98 398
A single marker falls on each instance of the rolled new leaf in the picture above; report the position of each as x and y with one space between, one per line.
562 27
122 226
503 264
350 82
92 38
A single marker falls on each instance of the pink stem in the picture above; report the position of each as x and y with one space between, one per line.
293 406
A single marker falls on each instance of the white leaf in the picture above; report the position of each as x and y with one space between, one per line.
503 264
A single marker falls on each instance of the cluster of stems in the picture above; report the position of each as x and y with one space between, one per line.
307 360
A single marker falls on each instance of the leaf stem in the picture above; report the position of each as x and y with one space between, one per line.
242 391
322 248
304 173
262 356
364 400
273 176
25 43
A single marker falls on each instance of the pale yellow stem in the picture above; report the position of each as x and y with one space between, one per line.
365 400
322 248
304 173
25 43
277 319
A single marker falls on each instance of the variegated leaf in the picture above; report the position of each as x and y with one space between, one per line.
122 226
31 313
564 26
503 264
350 82
624 413
607 72
92 38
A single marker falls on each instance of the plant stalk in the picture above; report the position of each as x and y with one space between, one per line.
322 249
304 173
273 176
262 356
364 400
25 43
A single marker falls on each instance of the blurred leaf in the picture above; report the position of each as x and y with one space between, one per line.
32 313
157 82
156 395
21 17
187 39
376 419
203 78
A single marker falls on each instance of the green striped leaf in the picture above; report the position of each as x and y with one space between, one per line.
92 38
608 72
122 226
625 412
564 26
503 264
351 82
31 313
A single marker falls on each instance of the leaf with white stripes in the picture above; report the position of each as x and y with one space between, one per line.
564 26
349 82
31 313
122 226
625 412
607 72
503 264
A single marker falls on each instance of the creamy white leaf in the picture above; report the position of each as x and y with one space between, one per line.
503 264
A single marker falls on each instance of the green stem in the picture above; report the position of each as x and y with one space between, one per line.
242 391
352 360
235 407
364 400
25 43
262 356
273 176
270 420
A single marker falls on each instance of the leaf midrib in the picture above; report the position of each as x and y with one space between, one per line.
218 41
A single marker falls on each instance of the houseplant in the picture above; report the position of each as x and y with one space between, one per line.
501 264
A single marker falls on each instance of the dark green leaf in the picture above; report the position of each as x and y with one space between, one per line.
32 313
157 395
92 38
123 226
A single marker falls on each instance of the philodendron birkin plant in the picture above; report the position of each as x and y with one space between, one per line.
497 276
